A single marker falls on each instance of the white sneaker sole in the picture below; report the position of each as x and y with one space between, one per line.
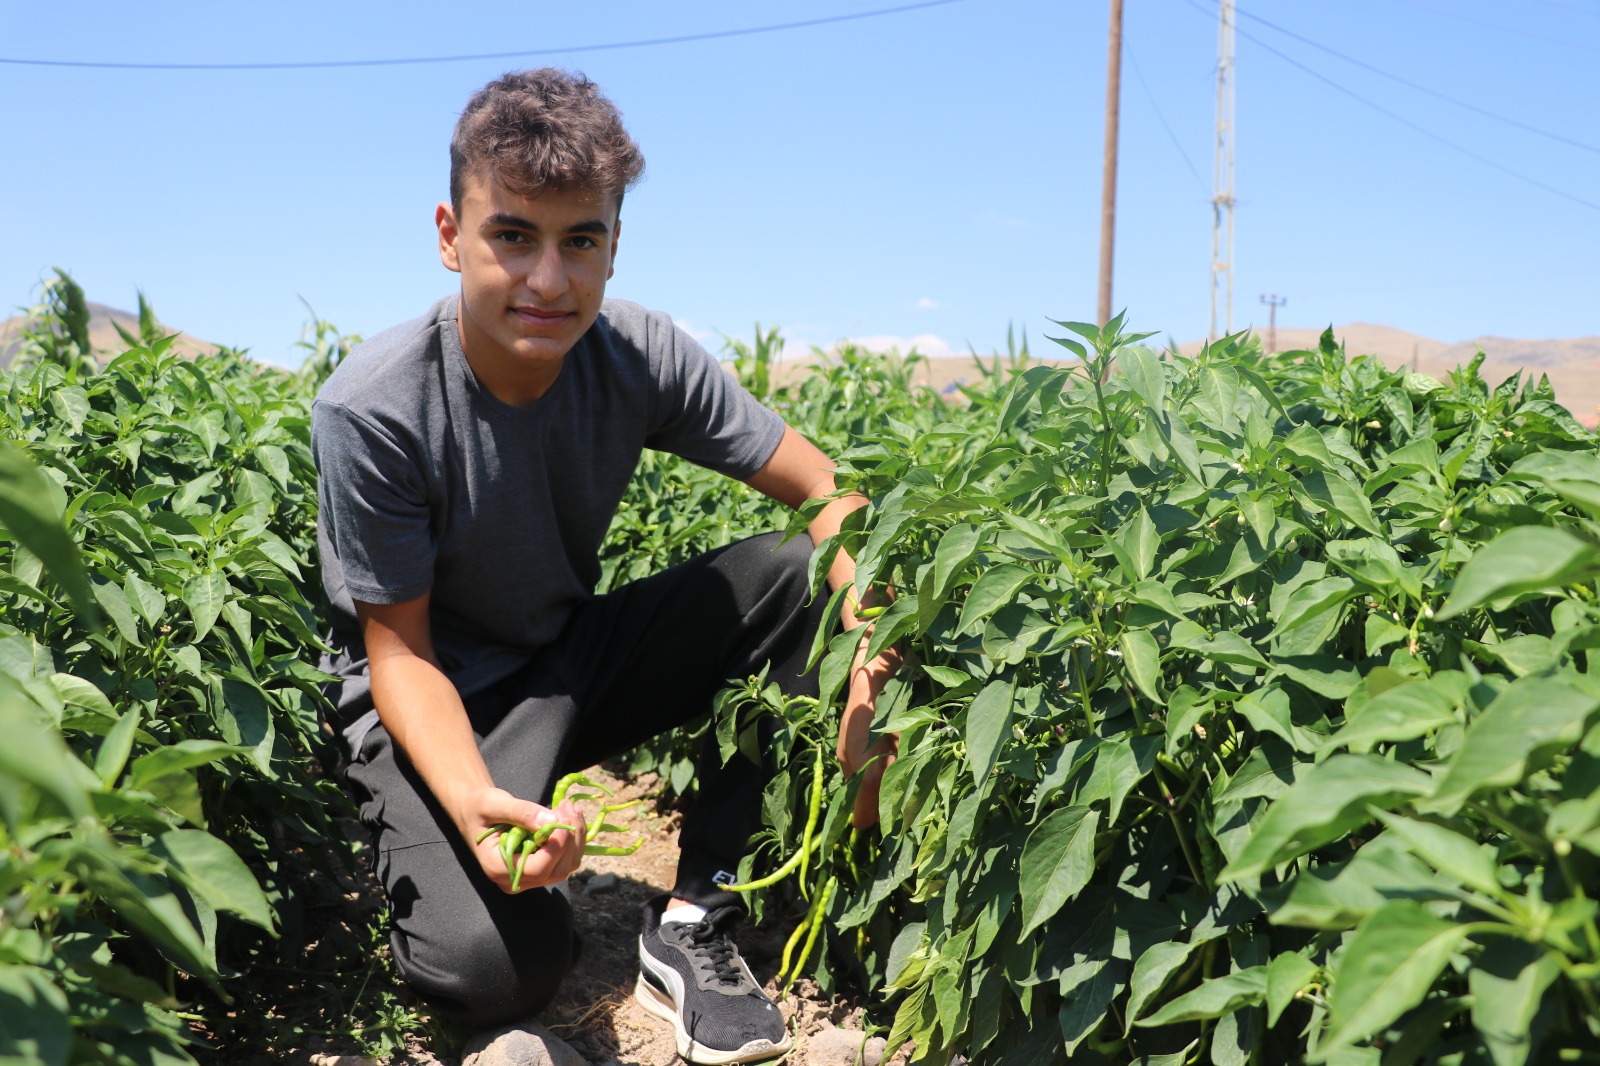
653 1000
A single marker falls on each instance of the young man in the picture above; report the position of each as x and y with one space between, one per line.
470 463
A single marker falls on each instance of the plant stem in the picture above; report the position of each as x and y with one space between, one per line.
1522 836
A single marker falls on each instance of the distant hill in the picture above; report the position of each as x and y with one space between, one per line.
1573 364
102 334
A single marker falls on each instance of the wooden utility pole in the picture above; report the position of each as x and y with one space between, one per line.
1108 193
1274 302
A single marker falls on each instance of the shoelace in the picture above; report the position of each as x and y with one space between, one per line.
712 944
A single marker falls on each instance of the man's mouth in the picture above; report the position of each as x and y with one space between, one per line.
539 316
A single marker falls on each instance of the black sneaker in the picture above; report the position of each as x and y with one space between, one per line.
691 975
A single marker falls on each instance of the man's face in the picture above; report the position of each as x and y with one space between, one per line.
533 273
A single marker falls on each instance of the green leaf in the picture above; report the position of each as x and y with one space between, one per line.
1267 710
35 1026
1137 541
956 549
1145 374
204 595
988 724
1222 647
114 601
144 598
1306 443
1324 805
1327 675
1057 862
995 588
37 756
1369 560
1508 982
1525 559
1141 655
76 692
1287 975
1312 600
1042 535
1339 496
177 758
1532 719
1387 967
147 904
118 744
1401 713
28 509
71 405
275 462
1447 851
1214 998
1086 997
1338 896
215 874
1150 974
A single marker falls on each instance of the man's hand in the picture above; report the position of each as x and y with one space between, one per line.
557 860
795 473
856 747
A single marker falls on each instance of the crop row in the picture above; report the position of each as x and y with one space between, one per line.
1248 715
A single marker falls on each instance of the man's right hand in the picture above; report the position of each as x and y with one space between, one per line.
560 857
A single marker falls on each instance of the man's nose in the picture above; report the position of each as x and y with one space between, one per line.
547 276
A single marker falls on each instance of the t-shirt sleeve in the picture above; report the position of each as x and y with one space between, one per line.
374 507
701 412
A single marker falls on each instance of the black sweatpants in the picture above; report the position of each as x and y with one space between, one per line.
628 666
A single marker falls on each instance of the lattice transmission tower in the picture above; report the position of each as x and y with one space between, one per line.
1222 201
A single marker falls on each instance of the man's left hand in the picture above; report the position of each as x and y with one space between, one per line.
857 748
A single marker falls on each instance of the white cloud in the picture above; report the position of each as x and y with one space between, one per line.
701 335
926 343
994 218
926 303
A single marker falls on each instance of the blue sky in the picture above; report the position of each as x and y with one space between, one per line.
929 174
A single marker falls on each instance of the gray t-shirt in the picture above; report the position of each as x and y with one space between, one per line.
427 482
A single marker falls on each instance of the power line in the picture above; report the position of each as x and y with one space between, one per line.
1422 88
1501 29
1157 108
415 60
1463 149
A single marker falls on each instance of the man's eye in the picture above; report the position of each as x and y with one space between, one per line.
510 236
585 243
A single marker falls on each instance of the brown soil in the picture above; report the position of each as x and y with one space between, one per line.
595 1011
332 970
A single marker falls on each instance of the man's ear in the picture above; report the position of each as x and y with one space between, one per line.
616 231
444 217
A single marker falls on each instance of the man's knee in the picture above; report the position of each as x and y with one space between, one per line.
784 565
493 972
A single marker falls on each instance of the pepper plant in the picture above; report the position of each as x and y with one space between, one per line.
1249 715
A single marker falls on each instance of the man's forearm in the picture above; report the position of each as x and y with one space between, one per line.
423 712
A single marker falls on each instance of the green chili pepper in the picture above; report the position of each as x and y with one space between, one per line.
794 939
818 910
813 814
517 843
789 867
808 842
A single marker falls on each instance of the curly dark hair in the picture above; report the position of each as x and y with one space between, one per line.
544 129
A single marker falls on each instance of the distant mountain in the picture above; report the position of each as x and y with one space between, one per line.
102 334
1573 364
